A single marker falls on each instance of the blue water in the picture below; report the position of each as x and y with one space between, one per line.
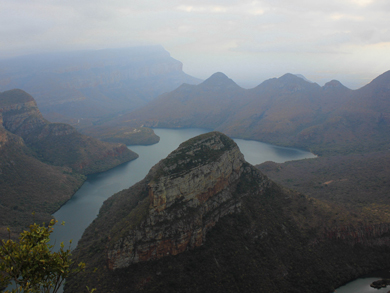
84 206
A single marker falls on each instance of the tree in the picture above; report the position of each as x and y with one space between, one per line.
32 264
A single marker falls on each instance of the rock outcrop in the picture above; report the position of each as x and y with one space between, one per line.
204 220
58 143
41 163
191 190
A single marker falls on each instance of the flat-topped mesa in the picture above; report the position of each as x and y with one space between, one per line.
189 192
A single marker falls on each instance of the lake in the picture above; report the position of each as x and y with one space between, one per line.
362 285
84 206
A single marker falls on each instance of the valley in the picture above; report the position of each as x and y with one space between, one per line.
203 218
43 164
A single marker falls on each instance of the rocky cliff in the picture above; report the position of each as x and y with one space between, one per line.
57 143
204 220
191 190
95 83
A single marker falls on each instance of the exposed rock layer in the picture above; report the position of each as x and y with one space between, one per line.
41 162
228 227
188 194
58 143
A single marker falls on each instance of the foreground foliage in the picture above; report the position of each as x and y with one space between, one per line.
32 264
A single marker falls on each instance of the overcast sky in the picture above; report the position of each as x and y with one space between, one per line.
250 41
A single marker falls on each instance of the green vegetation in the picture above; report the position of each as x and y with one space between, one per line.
32 265
355 186
122 134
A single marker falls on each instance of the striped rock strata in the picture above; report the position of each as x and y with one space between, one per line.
189 192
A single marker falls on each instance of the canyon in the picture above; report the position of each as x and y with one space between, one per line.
204 219
42 164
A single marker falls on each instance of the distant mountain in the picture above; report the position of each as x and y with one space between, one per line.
41 163
204 220
287 111
90 85
207 105
57 143
301 76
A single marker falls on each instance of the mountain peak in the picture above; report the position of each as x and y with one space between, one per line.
290 78
187 193
304 78
334 84
382 81
219 79
15 96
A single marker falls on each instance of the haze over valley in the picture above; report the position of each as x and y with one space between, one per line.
186 85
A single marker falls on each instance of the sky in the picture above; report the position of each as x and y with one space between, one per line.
250 41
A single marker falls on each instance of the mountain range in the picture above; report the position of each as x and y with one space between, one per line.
42 164
288 111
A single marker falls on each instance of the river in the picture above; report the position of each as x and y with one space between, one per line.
84 206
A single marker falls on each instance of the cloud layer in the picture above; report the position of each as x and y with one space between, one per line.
250 41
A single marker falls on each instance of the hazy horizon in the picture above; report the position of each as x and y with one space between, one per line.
249 41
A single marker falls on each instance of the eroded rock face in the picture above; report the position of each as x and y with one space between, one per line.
21 115
57 143
190 191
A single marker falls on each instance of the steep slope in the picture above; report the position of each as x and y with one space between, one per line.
27 185
204 220
205 105
287 111
93 84
41 163
278 109
57 143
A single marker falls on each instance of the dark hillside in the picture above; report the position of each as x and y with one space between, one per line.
359 183
287 111
41 163
204 220
27 185
57 143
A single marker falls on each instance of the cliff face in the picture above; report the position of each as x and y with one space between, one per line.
57 143
93 84
204 220
191 190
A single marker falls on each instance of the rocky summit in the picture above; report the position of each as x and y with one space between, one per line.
189 192
204 220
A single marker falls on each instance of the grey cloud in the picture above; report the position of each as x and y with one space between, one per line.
280 29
